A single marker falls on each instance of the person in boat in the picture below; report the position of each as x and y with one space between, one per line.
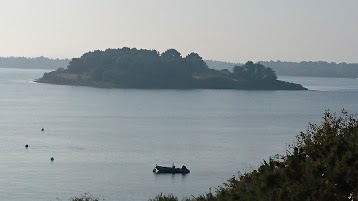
183 167
155 168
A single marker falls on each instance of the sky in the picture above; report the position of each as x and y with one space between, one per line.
224 30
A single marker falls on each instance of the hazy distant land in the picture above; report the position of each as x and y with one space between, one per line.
33 63
143 69
303 68
281 68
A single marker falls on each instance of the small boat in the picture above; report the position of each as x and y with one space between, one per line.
162 169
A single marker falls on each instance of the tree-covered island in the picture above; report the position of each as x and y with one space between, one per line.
148 69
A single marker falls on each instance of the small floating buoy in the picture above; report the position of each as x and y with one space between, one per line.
26 146
42 129
52 159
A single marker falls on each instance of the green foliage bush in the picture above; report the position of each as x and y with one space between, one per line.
162 197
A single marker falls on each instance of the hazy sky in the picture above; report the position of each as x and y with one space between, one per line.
227 30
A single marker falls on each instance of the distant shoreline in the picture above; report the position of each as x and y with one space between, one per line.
33 63
300 69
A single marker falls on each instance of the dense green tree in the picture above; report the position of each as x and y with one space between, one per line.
253 71
195 62
171 54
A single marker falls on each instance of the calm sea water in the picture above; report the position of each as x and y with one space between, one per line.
107 141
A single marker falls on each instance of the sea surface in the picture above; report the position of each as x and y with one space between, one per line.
107 141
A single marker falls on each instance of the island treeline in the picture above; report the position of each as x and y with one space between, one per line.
33 63
141 68
303 68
